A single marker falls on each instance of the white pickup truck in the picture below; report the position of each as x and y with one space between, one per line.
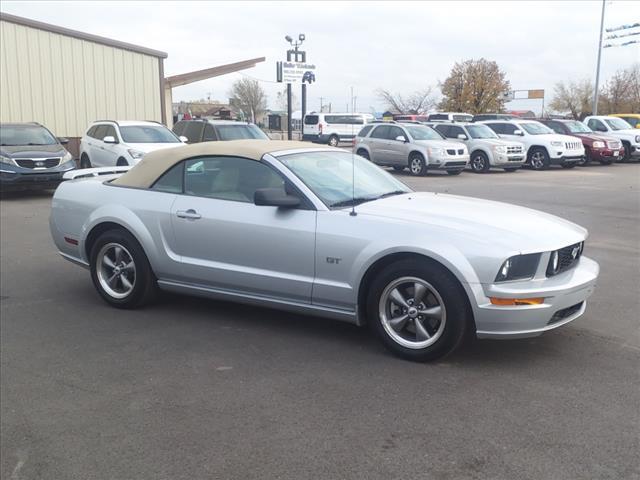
617 127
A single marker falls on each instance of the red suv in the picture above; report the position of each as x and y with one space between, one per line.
603 148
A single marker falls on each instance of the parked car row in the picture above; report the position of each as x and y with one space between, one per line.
500 143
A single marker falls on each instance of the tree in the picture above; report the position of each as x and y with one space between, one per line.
247 95
573 97
621 93
474 86
281 100
417 102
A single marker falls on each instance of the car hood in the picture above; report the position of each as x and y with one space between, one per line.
515 228
150 147
596 137
440 144
33 151
497 141
628 134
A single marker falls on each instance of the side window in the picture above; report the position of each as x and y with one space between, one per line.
228 178
395 132
110 131
596 125
209 133
556 127
442 130
496 127
171 180
365 131
193 131
380 132
632 121
178 128
92 131
509 128
100 132
454 131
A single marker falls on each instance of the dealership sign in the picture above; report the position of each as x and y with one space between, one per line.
296 72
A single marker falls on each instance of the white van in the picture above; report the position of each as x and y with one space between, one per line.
331 128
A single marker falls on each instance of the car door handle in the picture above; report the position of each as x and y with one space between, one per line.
190 214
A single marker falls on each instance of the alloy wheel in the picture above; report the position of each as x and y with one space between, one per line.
412 312
537 160
478 163
416 165
116 270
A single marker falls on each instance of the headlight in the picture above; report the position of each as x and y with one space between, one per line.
520 267
67 158
556 144
435 151
500 148
135 154
598 145
4 159
637 138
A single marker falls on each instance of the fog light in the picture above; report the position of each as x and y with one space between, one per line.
516 301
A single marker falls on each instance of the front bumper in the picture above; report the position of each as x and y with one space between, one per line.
504 159
17 178
564 296
566 157
606 154
448 162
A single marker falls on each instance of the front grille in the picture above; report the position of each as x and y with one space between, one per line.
514 150
567 258
614 145
456 164
37 163
573 145
460 152
565 313
451 151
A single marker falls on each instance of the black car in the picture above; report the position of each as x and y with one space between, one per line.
197 131
31 157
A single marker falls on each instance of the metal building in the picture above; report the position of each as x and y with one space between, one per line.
66 79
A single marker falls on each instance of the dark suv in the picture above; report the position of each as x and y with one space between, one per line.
31 157
198 131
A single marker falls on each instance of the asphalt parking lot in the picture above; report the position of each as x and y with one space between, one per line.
194 389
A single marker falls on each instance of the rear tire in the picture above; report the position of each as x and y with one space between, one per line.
398 169
480 162
334 140
84 161
363 154
120 270
539 158
417 165
409 298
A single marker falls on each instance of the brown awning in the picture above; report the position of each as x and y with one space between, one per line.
185 78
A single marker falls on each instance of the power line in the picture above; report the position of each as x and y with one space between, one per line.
257 79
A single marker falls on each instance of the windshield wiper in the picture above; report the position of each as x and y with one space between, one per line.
390 194
352 201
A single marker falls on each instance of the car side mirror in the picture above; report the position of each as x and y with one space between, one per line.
462 136
183 139
275 197
63 140
519 133
402 138
109 139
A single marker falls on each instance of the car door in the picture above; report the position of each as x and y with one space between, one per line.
96 147
397 149
597 125
110 151
227 242
378 144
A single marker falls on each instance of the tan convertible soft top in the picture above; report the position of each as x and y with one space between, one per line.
155 163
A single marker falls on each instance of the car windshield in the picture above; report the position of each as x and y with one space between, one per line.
617 124
577 127
15 135
535 128
147 134
330 176
462 118
481 131
423 133
240 132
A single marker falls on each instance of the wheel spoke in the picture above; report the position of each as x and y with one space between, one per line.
118 252
111 280
397 297
398 323
418 293
108 262
433 312
128 266
125 282
421 332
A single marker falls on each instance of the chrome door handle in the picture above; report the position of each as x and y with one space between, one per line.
190 214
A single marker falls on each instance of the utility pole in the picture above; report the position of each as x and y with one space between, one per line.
298 55
595 93
321 98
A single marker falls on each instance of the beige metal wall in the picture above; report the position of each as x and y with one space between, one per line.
65 83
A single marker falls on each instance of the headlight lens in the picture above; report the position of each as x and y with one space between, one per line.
500 148
520 267
435 151
598 144
637 138
67 158
556 144
136 154
4 159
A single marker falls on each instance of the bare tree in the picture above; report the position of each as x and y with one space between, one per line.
474 86
621 93
248 96
573 97
281 100
417 102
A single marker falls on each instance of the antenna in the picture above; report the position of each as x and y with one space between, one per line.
353 169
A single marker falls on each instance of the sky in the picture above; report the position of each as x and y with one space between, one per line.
399 46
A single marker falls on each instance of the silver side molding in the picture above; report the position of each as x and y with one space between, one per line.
94 172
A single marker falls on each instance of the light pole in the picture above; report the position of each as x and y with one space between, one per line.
294 52
595 93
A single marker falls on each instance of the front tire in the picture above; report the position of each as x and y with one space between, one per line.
84 161
587 158
120 270
417 165
480 162
416 309
398 168
627 153
539 158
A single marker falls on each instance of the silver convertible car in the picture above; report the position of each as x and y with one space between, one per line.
318 230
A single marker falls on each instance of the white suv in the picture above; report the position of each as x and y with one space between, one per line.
544 147
107 142
617 127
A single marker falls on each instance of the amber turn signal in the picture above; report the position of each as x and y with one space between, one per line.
516 301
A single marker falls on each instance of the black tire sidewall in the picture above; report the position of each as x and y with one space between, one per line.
337 141
423 165
458 317
485 167
84 161
545 158
145 283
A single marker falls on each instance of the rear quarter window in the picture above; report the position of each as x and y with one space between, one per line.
365 131
311 120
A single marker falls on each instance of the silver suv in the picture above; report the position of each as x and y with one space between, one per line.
402 145
486 149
